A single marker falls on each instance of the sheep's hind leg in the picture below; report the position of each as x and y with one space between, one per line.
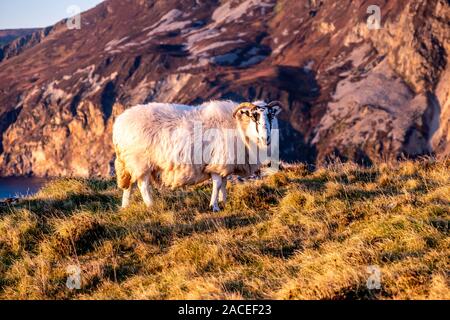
223 192
217 183
144 187
126 197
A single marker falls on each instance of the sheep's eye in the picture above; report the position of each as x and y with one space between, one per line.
256 116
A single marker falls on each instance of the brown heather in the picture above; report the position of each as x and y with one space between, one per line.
293 235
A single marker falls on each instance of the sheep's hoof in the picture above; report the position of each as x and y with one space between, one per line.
215 208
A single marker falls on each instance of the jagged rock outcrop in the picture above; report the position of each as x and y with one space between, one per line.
9 35
21 40
349 91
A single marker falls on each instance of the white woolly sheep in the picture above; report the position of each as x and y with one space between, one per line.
178 145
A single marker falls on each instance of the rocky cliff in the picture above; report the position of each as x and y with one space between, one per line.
349 91
13 42
9 35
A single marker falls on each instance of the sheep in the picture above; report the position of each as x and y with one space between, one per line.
176 145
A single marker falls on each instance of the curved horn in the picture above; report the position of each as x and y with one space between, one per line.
275 103
242 106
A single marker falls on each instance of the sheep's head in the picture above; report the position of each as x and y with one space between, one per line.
257 119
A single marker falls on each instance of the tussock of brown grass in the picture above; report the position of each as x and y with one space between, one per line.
294 234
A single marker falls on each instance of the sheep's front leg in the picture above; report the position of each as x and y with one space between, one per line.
126 197
217 183
223 192
144 187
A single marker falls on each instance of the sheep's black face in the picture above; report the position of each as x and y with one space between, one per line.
262 119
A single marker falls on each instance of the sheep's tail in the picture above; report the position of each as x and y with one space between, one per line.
122 175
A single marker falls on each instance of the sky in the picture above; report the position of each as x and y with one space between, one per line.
38 13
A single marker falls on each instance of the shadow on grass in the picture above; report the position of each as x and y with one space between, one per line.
283 251
163 235
357 176
64 207
239 286
361 292
312 184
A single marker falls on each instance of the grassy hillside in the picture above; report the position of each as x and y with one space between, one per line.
292 235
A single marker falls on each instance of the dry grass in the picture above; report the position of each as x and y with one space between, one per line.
292 235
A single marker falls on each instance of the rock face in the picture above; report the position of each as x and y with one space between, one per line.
8 36
349 91
13 42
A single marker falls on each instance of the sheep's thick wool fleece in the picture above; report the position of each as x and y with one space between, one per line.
152 140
